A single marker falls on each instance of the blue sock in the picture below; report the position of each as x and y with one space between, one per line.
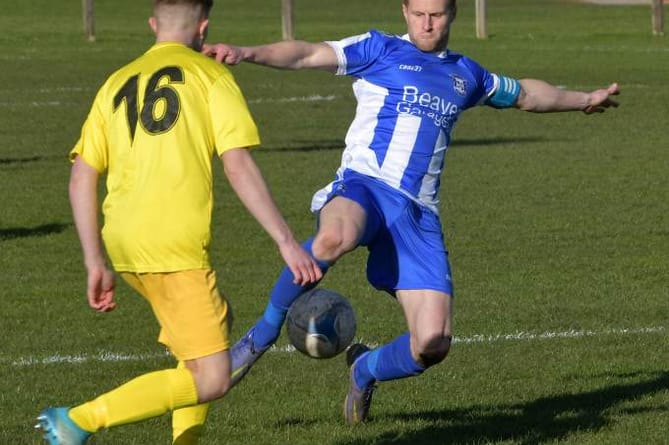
389 362
284 292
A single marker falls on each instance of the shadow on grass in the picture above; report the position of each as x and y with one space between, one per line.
28 232
307 146
544 420
487 142
8 161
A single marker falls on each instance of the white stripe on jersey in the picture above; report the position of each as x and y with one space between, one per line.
429 186
339 49
398 153
361 133
359 137
496 86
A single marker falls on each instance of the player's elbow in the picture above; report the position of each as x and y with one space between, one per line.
527 101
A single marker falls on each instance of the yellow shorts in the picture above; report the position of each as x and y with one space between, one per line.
193 315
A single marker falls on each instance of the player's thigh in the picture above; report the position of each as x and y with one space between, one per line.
216 364
193 316
428 313
410 253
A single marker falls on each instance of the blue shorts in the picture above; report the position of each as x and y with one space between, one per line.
404 239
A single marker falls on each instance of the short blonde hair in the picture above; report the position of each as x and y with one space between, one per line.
451 5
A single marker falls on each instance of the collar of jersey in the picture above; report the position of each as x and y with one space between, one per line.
166 44
440 54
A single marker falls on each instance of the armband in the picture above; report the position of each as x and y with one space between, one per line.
506 94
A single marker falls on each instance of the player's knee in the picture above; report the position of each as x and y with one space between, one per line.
211 387
329 245
211 382
433 349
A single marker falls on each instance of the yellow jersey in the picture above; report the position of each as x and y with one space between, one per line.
153 128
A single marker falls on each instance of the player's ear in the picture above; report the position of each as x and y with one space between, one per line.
204 27
153 24
452 13
452 10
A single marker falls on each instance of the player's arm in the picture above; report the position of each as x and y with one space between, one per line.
83 189
541 97
289 54
249 185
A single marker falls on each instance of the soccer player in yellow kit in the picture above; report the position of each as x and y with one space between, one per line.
154 128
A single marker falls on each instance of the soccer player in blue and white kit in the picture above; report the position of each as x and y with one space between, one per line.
410 91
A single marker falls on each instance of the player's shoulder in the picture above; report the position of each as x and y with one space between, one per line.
118 78
466 62
180 55
177 61
386 38
381 34
373 37
209 66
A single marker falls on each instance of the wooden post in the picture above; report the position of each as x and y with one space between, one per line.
89 20
481 19
658 17
287 19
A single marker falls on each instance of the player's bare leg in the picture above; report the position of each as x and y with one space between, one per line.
428 314
341 222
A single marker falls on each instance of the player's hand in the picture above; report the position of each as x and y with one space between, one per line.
301 264
100 289
600 99
228 54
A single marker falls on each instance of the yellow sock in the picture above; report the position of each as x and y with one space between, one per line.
188 423
144 397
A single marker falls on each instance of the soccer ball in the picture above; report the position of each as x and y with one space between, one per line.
320 323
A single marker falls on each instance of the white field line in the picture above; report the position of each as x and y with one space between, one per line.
48 90
573 333
33 104
54 103
65 89
312 98
517 336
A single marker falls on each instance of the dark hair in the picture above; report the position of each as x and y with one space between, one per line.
206 5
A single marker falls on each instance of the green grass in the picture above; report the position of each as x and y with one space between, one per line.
556 224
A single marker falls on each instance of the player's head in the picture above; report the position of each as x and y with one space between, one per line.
184 21
429 22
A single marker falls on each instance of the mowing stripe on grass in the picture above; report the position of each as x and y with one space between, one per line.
479 338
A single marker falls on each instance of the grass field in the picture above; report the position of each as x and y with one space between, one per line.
557 227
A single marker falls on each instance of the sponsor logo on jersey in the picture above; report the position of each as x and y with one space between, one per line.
459 85
416 68
427 105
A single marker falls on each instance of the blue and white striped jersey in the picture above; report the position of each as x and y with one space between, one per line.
408 103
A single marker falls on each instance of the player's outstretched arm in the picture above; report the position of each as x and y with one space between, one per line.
290 54
249 185
83 190
541 97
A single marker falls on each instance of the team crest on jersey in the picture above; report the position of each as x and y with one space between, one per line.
459 85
